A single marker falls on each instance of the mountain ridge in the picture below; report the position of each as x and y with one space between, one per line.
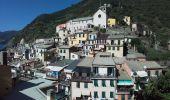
153 13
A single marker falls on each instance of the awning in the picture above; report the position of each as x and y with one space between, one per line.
54 68
124 82
142 73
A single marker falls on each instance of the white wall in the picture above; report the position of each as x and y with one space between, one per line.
78 26
74 56
100 19
66 54
76 92
62 35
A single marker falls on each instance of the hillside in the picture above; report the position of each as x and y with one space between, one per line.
155 13
7 35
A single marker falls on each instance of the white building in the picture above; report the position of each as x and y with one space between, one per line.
79 24
64 52
100 19
95 78
40 50
62 33
115 45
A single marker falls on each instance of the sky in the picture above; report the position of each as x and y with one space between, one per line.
16 14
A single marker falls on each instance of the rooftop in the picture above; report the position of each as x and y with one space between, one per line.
103 58
139 65
43 46
86 62
119 60
82 19
29 90
72 66
123 75
62 62
64 47
114 36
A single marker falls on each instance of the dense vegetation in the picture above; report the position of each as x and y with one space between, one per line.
154 13
156 89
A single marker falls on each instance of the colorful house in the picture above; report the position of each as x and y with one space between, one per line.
111 22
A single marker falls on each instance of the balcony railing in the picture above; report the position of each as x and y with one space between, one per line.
81 79
94 75
123 90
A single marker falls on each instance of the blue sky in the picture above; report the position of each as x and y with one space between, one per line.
16 14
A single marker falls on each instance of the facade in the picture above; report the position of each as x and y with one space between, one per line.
127 20
64 52
100 19
79 24
89 44
111 22
142 70
3 58
40 50
95 78
78 39
62 33
115 45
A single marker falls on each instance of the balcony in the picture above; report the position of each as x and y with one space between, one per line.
81 79
96 76
123 90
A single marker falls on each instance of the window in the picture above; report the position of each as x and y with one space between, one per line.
72 56
112 42
109 48
64 51
79 35
123 97
85 85
83 35
60 51
99 16
113 48
103 94
112 83
118 42
113 54
90 36
104 83
118 48
96 83
111 95
149 73
71 42
79 41
129 97
157 73
95 94
63 57
78 84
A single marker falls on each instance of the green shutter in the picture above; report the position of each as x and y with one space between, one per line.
104 83
85 85
112 83
111 95
103 95
95 95
157 73
123 97
96 83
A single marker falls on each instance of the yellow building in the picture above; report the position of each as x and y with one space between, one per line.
111 22
127 20
77 38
